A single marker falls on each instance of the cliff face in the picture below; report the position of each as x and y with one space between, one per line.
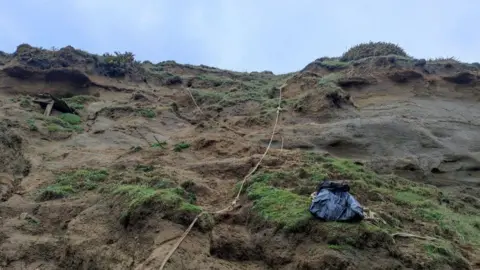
115 185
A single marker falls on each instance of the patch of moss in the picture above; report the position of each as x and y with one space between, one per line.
283 208
410 198
78 102
53 127
31 124
67 183
147 113
170 199
70 118
76 106
336 247
451 225
181 146
81 99
64 122
159 145
334 64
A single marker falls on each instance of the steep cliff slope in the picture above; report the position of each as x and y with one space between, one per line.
152 145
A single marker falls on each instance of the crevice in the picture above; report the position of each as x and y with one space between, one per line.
436 171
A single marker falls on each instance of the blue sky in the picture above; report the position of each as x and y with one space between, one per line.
243 35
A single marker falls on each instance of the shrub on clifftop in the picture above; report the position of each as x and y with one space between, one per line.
116 65
370 49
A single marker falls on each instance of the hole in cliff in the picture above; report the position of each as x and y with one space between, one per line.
410 167
335 144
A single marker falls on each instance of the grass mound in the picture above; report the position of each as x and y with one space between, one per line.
140 195
175 204
279 206
370 49
68 183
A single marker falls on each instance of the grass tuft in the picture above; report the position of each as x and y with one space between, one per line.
169 198
78 102
68 183
147 113
280 207
181 146
71 119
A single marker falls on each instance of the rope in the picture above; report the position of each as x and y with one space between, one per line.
193 99
180 240
234 202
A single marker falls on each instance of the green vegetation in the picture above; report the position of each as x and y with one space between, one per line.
68 183
330 81
259 89
209 97
117 64
444 60
64 123
215 81
71 119
170 200
25 103
336 247
181 146
283 208
78 102
138 195
159 145
31 124
370 49
148 113
333 64
281 199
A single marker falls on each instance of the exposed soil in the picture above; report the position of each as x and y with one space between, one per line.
116 188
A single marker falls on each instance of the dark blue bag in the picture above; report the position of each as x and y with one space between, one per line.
333 202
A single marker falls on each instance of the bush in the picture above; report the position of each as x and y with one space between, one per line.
370 49
117 65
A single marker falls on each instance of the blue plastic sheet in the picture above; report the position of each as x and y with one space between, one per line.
333 202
